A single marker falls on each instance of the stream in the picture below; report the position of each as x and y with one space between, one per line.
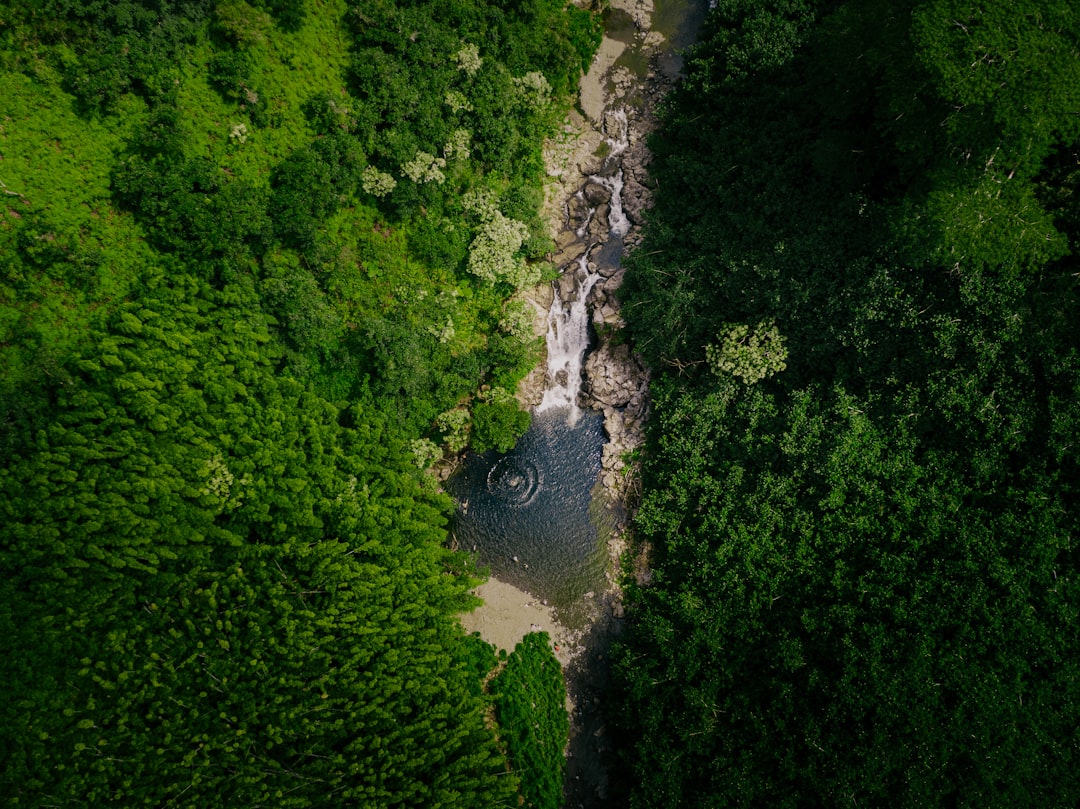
545 517
536 516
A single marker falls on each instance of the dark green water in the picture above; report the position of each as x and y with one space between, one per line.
531 516
679 21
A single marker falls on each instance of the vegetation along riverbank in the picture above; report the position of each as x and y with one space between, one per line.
858 296
259 261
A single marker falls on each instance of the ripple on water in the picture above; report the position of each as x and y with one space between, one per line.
514 481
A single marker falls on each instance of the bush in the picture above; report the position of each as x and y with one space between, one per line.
531 710
498 424
228 72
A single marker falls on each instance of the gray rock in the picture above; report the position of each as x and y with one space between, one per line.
614 375
635 198
569 254
530 390
568 285
578 212
598 225
596 194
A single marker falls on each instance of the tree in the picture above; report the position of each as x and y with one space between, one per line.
749 355
205 571
498 422
531 708
494 254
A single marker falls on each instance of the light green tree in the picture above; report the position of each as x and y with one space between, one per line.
425 452
534 89
454 426
457 101
468 59
377 183
750 354
495 252
458 146
517 319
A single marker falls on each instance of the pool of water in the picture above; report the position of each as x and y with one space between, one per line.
679 21
534 516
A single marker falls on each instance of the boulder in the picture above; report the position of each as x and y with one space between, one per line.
568 285
614 375
598 225
597 194
578 213
568 249
530 390
635 199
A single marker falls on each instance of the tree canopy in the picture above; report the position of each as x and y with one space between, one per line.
235 312
865 563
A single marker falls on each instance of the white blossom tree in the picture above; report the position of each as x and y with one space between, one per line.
495 253
425 168
377 183
468 59
752 354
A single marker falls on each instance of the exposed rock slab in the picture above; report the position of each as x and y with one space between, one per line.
615 376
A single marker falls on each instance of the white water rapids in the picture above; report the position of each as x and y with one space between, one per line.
568 317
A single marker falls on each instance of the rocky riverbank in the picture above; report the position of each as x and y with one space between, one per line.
599 188
595 202
617 106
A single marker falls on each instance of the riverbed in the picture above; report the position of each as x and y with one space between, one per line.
548 518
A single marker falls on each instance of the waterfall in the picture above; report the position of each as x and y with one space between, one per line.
617 221
616 131
568 340
568 317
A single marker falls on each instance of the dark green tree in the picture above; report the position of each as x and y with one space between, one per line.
863 565
531 709
216 577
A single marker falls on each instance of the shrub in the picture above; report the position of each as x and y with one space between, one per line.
498 422
531 709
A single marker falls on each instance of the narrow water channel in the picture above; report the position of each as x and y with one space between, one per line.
537 517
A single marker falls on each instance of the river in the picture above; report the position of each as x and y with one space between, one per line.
546 517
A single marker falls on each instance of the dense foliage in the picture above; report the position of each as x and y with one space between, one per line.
219 589
238 315
531 709
864 519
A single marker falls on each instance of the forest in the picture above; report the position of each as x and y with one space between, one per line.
858 294
259 271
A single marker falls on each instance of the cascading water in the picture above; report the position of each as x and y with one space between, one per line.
567 342
534 515
568 317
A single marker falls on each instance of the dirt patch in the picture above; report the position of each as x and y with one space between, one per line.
509 614
593 91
